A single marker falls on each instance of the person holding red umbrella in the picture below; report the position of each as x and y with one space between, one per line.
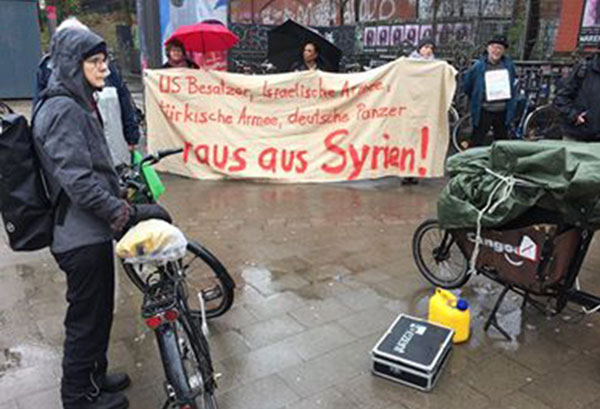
204 38
176 57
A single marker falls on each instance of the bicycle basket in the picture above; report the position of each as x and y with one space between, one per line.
152 241
152 179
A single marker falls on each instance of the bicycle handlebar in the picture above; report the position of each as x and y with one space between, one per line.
158 156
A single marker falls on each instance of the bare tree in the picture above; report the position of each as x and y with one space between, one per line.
341 7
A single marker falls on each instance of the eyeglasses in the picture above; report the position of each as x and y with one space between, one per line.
97 62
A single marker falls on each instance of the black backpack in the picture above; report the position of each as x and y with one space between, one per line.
25 206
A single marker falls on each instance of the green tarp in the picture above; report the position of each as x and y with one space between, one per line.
559 176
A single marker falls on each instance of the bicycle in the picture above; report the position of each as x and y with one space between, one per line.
167 307
554 258
253 68
205 273
532 123
190 378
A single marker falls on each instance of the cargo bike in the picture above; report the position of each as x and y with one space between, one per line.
537 254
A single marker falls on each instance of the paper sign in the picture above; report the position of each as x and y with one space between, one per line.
497 85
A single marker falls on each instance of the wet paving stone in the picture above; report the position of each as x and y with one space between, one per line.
320 311
9 405
266 393
321 272
270 331
48 399
330 399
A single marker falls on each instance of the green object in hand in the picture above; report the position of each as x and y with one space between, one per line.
152 179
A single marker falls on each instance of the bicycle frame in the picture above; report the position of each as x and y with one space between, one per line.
164 306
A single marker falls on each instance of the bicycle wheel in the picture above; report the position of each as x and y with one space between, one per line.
204 274
453 117
543 123
187 363
461 134
438 257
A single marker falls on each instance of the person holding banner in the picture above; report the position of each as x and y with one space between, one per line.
310 58
490 86
425 50
176 56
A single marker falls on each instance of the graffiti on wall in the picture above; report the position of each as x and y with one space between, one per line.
381 10
274 12
467 8
321 12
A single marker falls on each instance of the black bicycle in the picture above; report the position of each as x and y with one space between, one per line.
171 288
190 379
205 275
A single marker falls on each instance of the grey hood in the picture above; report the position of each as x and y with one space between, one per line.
67 50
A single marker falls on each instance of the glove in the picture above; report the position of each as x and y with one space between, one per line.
122 217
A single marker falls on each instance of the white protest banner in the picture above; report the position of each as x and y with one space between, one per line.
308 126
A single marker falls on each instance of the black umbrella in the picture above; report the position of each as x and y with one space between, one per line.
286 42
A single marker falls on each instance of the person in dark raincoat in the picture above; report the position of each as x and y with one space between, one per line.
129 117
76 162
578 101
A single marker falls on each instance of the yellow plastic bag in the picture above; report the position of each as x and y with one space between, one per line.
152 241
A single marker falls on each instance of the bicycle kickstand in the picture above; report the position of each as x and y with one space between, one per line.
493 321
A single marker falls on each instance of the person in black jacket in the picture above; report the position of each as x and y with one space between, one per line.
578 101
75 159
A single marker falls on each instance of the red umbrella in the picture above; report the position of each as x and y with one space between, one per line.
203 37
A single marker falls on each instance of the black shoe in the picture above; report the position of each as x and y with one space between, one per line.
102 401
410 181
115 382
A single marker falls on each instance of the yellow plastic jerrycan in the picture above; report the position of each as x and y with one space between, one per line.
447 310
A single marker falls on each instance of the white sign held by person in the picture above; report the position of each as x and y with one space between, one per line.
497 85
308 126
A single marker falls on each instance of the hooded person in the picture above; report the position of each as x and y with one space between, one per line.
115 103
84 188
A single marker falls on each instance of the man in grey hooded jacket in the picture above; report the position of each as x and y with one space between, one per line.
82 181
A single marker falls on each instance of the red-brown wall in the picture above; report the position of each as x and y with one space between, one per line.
570 22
